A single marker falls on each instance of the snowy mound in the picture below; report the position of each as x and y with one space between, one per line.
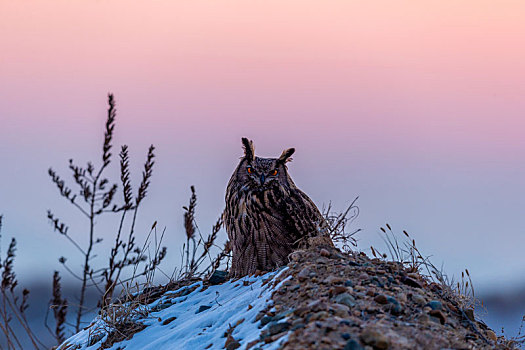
192 317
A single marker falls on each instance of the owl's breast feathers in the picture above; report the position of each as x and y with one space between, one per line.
265 226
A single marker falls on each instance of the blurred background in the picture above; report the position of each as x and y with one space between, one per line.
415 107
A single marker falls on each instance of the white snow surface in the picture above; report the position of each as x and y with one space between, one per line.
191 329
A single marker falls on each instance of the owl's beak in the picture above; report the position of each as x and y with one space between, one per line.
262 179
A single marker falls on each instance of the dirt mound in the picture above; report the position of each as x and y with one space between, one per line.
331 300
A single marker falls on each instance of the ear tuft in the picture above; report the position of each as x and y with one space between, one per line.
249 150
285 156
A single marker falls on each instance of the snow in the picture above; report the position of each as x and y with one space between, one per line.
229 303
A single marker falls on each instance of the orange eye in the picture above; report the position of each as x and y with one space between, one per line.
249 169
273 172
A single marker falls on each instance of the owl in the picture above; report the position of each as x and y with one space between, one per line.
266 215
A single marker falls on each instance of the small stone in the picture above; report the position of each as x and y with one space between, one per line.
304 274
363 276
333 280
233 345
218 277
374 338
169 320
265 320
325 252
381 299
345 299
277 328
419 299
439 315
339 310
411 282
423 318
469 313
353 345
349 283
395 308
491 335
337 290
345 336
402 297
203 308
297 326
435 305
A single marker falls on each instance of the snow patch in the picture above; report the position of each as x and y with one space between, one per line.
201 318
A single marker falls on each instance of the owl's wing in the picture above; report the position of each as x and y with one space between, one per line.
302 217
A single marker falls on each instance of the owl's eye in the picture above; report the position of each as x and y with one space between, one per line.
273 172
249 170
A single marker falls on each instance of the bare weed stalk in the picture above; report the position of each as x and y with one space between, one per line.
95 196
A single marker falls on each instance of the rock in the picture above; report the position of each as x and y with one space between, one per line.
203 308
304 274
353 345
411 282
169 320
419 299
491 335
439 315
337 290
469 313
345 336
231 343
345 299
374 338
330 280
435 305
402 297
277 328
297 326
349 283
381 299
325 252
395 308
265 320
339 310
363 276
218 277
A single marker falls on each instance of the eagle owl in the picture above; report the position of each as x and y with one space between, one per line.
266 215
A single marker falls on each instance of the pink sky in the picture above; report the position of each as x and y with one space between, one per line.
416 106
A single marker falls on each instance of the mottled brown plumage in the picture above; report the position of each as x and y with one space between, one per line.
266 215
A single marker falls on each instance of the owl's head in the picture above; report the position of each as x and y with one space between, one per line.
259 174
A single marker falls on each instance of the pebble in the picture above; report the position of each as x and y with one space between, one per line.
169 320
277 328
419 299
469 313
345 299
395 308
203 308
381 299
374 338
411 282
333 280
325 252
439 315
304 274
353 345
337 290
435 305
218 277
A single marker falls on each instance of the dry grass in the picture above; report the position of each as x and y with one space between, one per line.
338 224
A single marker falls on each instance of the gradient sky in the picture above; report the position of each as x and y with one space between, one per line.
415 106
